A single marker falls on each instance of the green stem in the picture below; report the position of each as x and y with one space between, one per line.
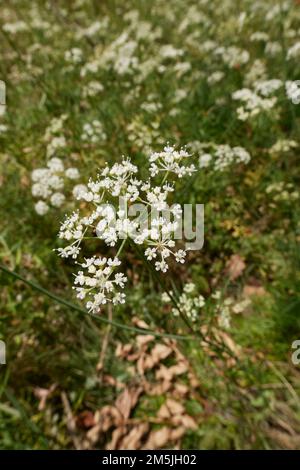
66 303
164 178
215 344
121 247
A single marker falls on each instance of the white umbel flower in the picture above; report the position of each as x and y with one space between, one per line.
57 199
41 208
171 161
72 173
293 91
98 284
114 222
49 183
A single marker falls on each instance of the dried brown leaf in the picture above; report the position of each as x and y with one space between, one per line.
132 441
249 291
230 343
177 433
158 389
107 417
85 419
188 422
92 435
174 407
180 389
143 340
139 323
127 400
123 350
160 351
158 438
117 434
235 267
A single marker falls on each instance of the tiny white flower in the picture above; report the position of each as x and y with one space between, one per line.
72 173
41 208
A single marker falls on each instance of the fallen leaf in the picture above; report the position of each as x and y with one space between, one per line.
108 416
188 422
132 440
174 406
164 412
235 267
177 433
160 351
116 436
250 291
158 389
230 343
127 400
85 420
144 339
123 350
181 389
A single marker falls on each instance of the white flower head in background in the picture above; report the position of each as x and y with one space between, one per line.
171 161
189 303
74 55
222 156
293 91
49 182
254 103
294 51
54 137
104 218
93 132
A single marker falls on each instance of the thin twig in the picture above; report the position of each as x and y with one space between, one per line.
71 424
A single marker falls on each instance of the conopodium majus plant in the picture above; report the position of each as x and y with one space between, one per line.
107 215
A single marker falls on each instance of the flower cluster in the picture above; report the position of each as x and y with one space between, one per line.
74 55
49 182
253 103
227 307
16 27
170 161
54 137
283 145
215 77
143 136
293 91
92 89
282 191
98 284
294 51
120 54
233 56
93 132
111 216
267 87
256 73
189 302
223 156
